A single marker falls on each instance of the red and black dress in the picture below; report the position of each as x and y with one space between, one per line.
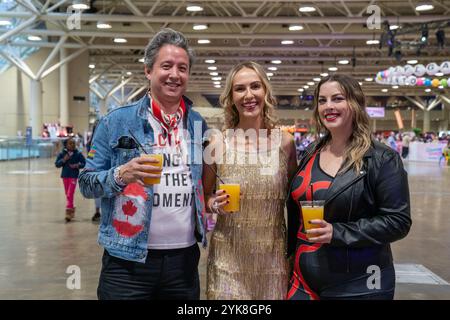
318 272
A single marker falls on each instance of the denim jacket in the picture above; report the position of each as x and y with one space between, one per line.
129 241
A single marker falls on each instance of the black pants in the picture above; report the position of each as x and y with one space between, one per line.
405 152
166 275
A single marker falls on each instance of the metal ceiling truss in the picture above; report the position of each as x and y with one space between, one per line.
238 30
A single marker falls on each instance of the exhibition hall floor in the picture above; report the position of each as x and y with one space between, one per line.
39 251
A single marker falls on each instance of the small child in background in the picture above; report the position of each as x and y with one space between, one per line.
71 161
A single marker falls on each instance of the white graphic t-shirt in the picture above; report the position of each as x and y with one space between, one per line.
172 223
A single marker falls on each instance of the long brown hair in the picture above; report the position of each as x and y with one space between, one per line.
360 141
226 98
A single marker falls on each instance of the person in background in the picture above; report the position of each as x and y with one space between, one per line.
445 154
406 141
71 161
399 143
391 141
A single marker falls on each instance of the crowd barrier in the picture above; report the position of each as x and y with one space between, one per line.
427 152
16 148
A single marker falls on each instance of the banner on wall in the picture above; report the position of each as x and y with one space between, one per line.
375 112
429 152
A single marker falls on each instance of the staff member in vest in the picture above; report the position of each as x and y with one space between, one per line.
150 231
365 188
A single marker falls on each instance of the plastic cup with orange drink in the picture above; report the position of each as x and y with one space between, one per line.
312 210
156 154
232 189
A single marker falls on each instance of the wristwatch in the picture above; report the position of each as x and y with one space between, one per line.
117 177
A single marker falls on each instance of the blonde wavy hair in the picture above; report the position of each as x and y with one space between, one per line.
226 98
360 141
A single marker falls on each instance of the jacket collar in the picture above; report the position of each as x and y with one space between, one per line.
342 180
143 111
144 103
345 179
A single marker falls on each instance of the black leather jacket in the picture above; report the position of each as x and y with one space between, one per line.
368 210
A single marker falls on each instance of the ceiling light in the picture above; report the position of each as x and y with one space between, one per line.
194 8
272 68
216 82
103 25
306 87
307 9
5 23
300 90
394 87
344 61
217 86
214 74
384 90
333 69
203 41
412 61
80 5
393 27
141 60
369 79
269 74
276 61
129 73
424 7
439 74
287 42
216 78
428 90
360 83
200 27
310 83
120 40
324 74
372 42
295 28
92 66
441 87
212 68
316 79
210 61
34 38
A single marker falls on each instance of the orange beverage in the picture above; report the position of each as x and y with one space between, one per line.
234 191
158 157
310 212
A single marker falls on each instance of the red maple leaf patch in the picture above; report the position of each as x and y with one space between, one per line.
129 209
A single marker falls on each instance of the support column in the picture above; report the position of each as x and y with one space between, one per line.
413 119
35 114
102 106
426 120
374 127
445 116
63 90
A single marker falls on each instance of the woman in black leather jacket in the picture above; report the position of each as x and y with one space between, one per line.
367 206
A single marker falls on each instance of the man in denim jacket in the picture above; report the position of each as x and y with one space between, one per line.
150 231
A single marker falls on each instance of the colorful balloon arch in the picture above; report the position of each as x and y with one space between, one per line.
409 75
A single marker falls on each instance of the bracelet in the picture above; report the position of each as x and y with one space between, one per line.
117 178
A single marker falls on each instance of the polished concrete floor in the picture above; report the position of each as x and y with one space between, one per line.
38 249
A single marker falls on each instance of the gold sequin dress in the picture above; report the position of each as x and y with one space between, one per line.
247 250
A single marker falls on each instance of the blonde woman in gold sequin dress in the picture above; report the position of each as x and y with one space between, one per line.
247 254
